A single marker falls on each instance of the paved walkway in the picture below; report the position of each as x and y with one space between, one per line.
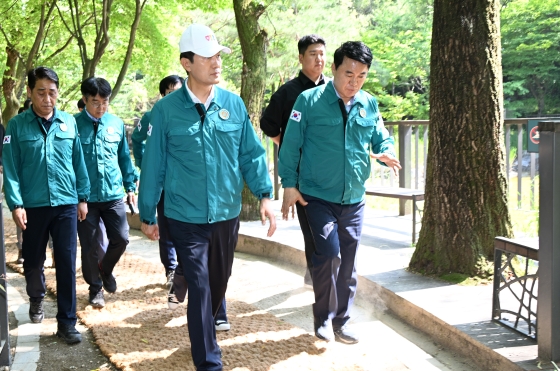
447 312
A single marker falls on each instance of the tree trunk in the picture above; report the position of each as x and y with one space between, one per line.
466 199
13 80
137 15
253 42
9 82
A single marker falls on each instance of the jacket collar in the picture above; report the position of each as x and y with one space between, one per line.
189 102
359 99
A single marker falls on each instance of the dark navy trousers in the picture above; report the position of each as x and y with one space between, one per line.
113 214
60 222
167 253
181 286
336 230
307 236
206 254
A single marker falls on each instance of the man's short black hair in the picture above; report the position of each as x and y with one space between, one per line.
41 73
20 110
355 50
93 86
189 56
81 104
27 103
169 82
307 40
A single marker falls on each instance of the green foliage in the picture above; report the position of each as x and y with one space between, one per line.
399 35
531 57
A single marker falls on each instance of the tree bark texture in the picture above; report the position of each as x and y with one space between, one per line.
253 42
9 83
466 187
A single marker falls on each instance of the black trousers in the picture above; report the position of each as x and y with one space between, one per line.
206 255
113 214
167 253
336 230
60 222
307 236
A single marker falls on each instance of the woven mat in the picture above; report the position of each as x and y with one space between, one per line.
138 332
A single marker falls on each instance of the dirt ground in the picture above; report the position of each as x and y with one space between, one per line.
56 355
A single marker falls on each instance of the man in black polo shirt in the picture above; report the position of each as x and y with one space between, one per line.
312 55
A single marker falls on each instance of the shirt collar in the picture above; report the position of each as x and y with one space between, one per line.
196 100
350 103
306 80
94 119
43 120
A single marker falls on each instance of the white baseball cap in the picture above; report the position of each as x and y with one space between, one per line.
201 40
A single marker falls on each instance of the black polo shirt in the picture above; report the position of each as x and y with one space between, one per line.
275 117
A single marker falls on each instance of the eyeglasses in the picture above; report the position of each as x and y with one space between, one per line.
98 105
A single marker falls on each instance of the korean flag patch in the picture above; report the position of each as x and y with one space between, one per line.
139 126
7 139
296 116
150 129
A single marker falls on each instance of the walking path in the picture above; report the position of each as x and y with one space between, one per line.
270 278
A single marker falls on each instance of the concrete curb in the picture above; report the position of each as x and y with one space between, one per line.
384 300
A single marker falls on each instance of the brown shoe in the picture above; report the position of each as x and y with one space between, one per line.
19 257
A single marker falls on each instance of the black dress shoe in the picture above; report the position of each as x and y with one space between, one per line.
345 335
68 333
36 312
324 330
97 299
109 282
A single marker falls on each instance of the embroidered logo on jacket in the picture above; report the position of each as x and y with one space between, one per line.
7 139
150 129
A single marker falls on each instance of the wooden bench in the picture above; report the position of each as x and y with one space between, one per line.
413 195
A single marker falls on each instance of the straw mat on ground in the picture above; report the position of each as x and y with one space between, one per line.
138 332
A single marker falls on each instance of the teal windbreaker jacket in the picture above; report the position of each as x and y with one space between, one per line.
334 163
43 170
107 157
138 138
201 166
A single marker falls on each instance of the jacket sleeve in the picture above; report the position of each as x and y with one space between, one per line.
252 161
12 163
138 137
125 163
289 156
381 141
153 172
82 180
271 120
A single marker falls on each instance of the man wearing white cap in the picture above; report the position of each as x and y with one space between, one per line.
201 146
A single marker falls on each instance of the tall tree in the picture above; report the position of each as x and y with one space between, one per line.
466 201
139 7
253 42
80 19
21 55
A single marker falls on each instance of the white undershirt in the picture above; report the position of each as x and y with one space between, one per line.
196 100
350 102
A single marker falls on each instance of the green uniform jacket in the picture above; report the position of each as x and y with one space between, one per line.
107 157
201 166
138 138
43 170
335 162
